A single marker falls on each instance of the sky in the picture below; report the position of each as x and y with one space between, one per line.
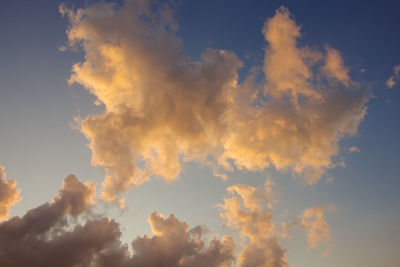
199 133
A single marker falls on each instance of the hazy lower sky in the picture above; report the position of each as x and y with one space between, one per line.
268 130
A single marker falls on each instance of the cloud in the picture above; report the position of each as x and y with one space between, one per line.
249 210
354 149
39 237
163 109
315 225
66 232
286 66
173 244
329 179
308 106
392 81
334 67
312 222
9 195
51 235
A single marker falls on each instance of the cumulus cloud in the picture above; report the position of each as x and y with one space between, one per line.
315 225
39 239
329 179
249 210
162 109
51 235
66 232
9 194
392 81
308 107
173 244
334 66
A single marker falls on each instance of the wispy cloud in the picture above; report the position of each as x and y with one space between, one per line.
354 149
392 81
314 223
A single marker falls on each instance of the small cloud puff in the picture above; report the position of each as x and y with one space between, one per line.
392 81
315 225
9 194
249 210
354 149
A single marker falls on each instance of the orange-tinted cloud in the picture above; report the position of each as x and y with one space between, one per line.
306 109
173 244
334 67
162 109
287 66
392 81
249 210
9 195
315 225
354 149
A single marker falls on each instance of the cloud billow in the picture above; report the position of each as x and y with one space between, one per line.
162 108
9 194
51 235
250 211
67 232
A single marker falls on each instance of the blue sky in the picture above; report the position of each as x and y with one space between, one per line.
39 147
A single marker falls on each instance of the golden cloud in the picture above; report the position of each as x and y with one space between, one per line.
9 195
162 108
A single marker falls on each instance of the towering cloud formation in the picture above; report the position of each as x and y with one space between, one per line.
250 211
162 109
9 195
